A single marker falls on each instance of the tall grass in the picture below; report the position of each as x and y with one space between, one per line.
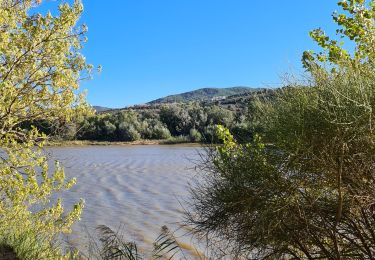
111 244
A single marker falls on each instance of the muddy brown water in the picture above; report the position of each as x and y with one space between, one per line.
141 188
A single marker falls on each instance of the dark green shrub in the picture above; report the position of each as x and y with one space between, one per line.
128 132
160 132
195 136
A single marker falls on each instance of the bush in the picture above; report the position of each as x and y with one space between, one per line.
242 133
128 133
304 187
209 135
109 130
176 119
195 136
308 192
160 132
177 140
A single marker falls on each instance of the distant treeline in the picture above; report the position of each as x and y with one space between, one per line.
178 122
191 122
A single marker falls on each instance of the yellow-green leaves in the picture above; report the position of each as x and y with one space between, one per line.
40 71
358 25
41 66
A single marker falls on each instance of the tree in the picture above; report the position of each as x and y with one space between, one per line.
177 119
40 71
357 24
127 132
304 187
219 116
195 135
198 116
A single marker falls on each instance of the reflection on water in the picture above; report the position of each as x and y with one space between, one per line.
140 187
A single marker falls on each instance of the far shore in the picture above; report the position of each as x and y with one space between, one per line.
107 143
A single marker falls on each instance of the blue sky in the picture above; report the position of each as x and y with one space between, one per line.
153 48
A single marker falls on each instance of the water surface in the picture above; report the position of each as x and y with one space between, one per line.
141 188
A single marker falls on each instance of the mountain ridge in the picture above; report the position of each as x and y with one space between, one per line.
200 95
204 94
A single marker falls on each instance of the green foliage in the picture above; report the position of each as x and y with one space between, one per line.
356 23
40 70
108 129
242 132
219 116
303 188
204 94
160 132
173 120
177 140
308 194
176 118
122 126
128 132
195 136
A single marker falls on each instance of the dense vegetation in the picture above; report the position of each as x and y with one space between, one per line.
175 122
303 188
300 186
192 121
40 70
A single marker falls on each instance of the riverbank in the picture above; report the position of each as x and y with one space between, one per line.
66 143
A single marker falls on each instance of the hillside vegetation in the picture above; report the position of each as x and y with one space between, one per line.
101 109
204 94
177 122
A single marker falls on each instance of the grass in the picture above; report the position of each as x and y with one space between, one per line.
109 244
28 245
177 140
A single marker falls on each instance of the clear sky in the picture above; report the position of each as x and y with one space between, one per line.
153 48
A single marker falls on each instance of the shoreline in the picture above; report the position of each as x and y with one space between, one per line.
124 143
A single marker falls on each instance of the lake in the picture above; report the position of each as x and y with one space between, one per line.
141 188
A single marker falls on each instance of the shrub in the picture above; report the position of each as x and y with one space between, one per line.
177 140
209 134
176 119
304 187
128 133
108 129
310 193
160 132
242 133
194 135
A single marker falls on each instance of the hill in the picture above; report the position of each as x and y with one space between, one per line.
101 109
204 94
